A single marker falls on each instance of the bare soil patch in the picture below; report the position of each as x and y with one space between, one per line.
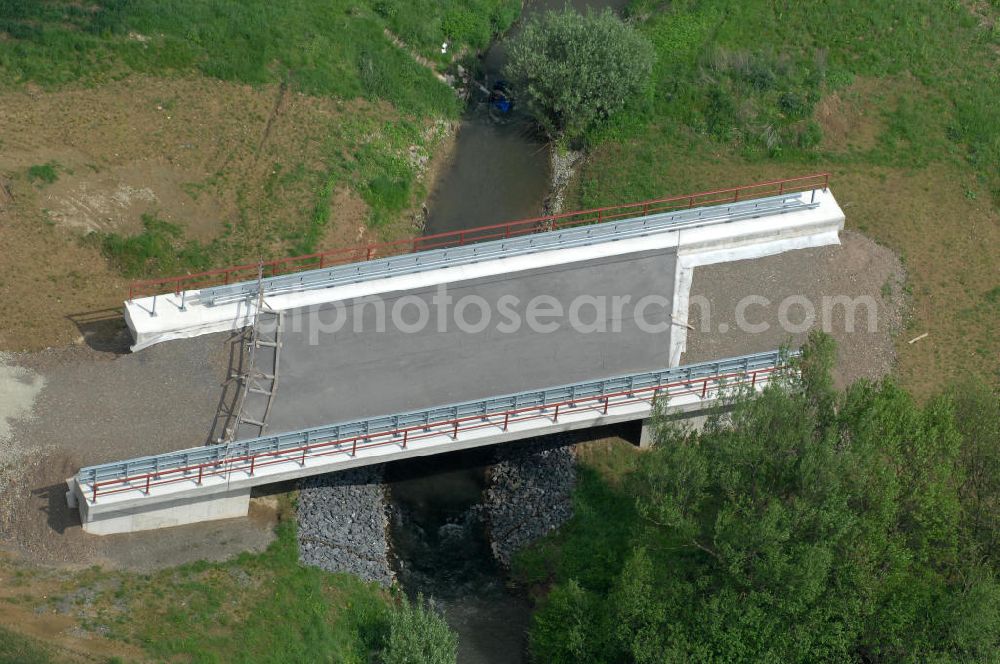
851 118
205 155
23 608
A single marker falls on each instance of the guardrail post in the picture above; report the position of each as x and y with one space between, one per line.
606 399
506 420
354 447
147 484
455 434
94 499
406 434
153 312
753 379
253 461
201 470
704 388
555 418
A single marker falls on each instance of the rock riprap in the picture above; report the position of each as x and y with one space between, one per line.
530 493
343 521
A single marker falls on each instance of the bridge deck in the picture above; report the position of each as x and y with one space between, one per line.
347 374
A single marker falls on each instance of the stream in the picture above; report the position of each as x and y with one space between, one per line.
499 171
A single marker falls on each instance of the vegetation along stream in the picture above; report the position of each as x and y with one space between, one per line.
499 172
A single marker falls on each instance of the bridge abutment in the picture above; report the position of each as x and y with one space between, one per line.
184 509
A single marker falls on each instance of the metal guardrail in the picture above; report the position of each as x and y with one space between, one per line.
195 462
319 260
505 248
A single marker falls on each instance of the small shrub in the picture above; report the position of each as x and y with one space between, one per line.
45 173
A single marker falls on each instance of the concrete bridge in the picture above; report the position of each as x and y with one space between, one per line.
352 390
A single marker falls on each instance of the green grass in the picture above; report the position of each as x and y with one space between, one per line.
749 76
426 24
17 649
897 99
255 608
333 48
45 173
323 48
159 249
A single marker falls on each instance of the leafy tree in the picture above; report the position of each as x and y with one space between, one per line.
571 70
419 635
801 525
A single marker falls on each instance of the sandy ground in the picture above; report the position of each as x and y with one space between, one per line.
857 268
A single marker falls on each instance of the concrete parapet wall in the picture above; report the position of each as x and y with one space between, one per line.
179 316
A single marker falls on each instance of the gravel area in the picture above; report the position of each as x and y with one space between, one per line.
530 493
858 268
64 408
343 521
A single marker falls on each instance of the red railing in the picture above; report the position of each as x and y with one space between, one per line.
458 238
701 387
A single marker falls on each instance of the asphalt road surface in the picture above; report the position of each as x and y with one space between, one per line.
363 369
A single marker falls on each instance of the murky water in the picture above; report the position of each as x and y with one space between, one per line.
499 172
441 548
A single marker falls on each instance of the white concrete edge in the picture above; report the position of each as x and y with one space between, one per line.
692 253
683 276
720 241
112 506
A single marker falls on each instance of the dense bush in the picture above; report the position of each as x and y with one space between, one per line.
804 526
571 70
419 635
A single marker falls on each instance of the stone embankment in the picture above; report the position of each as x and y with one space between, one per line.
562 166
343 520
530 493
